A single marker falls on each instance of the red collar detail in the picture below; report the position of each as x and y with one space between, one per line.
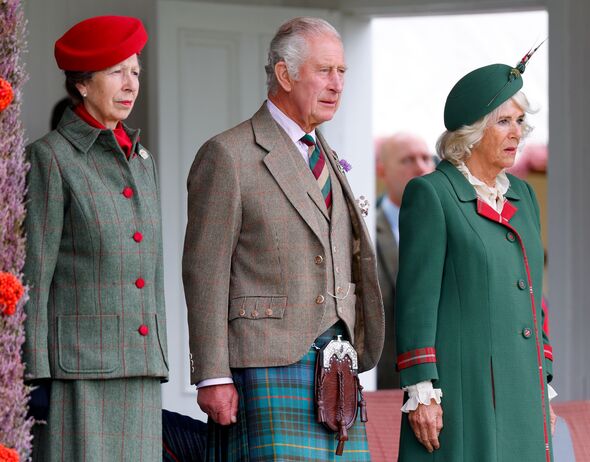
120 134
485 210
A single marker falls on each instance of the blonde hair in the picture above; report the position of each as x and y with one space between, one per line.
456 146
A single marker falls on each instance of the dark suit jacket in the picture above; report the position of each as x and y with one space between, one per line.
387 265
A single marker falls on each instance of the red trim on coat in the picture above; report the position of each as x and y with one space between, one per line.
503 218
417 356
546 318
548 351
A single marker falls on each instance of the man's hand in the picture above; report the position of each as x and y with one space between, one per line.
426 422
220 402
552 418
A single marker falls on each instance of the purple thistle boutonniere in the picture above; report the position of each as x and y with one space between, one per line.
344 166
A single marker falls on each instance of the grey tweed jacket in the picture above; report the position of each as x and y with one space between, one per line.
94 258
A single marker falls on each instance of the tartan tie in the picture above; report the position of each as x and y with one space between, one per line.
317 164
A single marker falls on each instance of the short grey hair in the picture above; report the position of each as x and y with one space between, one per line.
290 45
456 146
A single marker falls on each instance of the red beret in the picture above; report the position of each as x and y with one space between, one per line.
100 42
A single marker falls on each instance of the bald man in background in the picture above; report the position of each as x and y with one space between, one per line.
400 158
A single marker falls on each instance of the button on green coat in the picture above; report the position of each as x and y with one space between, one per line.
469 318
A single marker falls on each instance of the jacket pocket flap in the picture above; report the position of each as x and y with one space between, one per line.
257 307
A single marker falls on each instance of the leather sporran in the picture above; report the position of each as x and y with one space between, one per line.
338 392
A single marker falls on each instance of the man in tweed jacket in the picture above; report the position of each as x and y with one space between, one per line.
268 264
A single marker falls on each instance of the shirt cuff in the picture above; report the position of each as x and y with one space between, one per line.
421 393
551 393
217 381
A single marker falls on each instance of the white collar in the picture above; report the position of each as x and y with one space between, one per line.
492 195
294 131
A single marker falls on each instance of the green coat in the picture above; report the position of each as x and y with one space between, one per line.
96 309
469 320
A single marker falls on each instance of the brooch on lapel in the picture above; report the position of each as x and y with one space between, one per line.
343 165
363 204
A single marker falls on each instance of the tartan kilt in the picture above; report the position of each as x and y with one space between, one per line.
102 420
277 419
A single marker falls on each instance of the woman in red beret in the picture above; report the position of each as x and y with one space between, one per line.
95 329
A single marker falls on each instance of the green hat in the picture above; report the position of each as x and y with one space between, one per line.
483 90
479 93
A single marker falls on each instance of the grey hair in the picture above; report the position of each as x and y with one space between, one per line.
290 45
456 146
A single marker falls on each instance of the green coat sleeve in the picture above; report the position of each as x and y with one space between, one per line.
421 260
546 342
43 227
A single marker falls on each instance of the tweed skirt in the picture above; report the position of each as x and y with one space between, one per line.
101 420
277 419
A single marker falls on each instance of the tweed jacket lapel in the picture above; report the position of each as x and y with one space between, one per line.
288 168
387 246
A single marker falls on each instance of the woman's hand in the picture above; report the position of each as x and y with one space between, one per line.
426 422
552 418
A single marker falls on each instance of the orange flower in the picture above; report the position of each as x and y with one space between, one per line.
8 455
6 94
11 290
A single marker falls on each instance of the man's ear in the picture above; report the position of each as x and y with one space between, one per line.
283 77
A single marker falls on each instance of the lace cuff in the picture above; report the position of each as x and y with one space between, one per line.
421 393
551 393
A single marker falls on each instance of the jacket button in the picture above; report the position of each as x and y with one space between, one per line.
268 311
526 332
255 313
319 299
319 260
143 330
128 192
510 236
137 236
242 312
339 290
140 283
521 284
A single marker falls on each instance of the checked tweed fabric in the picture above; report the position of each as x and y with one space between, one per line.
116 420
277 419
317 164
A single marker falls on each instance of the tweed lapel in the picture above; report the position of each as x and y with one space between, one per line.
386 245
288 168
339 208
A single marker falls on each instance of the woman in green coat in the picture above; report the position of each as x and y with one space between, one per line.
95 328
469 319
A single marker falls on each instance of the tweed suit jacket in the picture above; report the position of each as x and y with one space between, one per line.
251 245
387 265
94 258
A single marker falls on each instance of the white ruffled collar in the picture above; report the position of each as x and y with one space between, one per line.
491 195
